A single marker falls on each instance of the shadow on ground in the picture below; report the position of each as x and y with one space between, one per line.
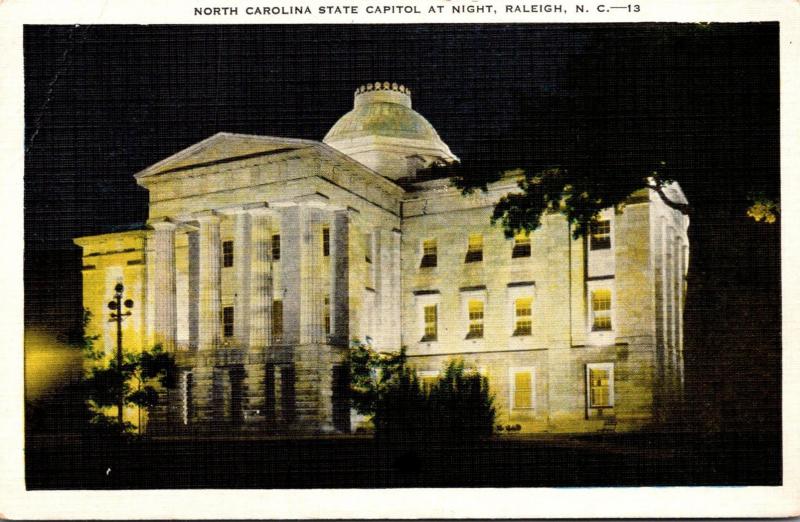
683 459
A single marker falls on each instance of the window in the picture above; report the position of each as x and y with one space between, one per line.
600 385
276 247
326 310
431 327
475 308
428 254
426 303
522 245
227 321
474 249
601 310
277 319
600 235
227 254
523 313
326 241
522 389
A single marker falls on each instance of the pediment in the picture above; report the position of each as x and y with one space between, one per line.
225 147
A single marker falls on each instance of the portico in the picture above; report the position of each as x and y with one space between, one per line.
312 291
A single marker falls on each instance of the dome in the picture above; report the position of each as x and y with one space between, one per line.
379 112
382 122
382 119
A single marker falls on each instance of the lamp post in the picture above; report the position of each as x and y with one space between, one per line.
117 316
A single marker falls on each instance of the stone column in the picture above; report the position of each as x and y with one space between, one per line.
395 297
376 314
209 326
260 310
665 309
242 264
165 327
340 277
682 292
291 264
387 277
677 277
311 370
669 297
312 293
193 306
260 279
659 395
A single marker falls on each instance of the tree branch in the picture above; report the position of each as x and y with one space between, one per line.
683 208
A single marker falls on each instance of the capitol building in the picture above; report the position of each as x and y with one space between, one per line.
263 258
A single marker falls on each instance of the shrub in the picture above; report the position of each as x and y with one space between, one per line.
400 408
458 408
459 405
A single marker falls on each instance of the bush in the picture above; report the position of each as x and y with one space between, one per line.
459 405
458 409
400 408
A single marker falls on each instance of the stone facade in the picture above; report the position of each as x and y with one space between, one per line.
264 257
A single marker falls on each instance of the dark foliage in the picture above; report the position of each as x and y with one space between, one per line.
459 406
458 409
400 410
143 375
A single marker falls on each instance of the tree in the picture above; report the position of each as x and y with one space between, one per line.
697 104
372 373
457 408
461 408
691 103
401 408
143 376
580 192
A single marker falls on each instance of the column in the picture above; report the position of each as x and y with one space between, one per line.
340 277
209 325
669 297
665 312
242 265
290 274
260 397
312 298
306 391
677 278
165 320
260 279
193 306
682 289
395 297
657 229
379 267
387 287
206 379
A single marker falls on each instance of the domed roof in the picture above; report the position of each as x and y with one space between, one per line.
384 109
382 119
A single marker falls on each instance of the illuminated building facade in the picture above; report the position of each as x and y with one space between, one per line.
264 257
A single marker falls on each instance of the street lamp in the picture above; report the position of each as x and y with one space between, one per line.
117 315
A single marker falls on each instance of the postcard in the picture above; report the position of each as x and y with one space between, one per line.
437 259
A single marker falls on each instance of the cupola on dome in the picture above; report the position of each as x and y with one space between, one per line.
386 134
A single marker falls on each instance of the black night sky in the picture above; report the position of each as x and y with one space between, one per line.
103 102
